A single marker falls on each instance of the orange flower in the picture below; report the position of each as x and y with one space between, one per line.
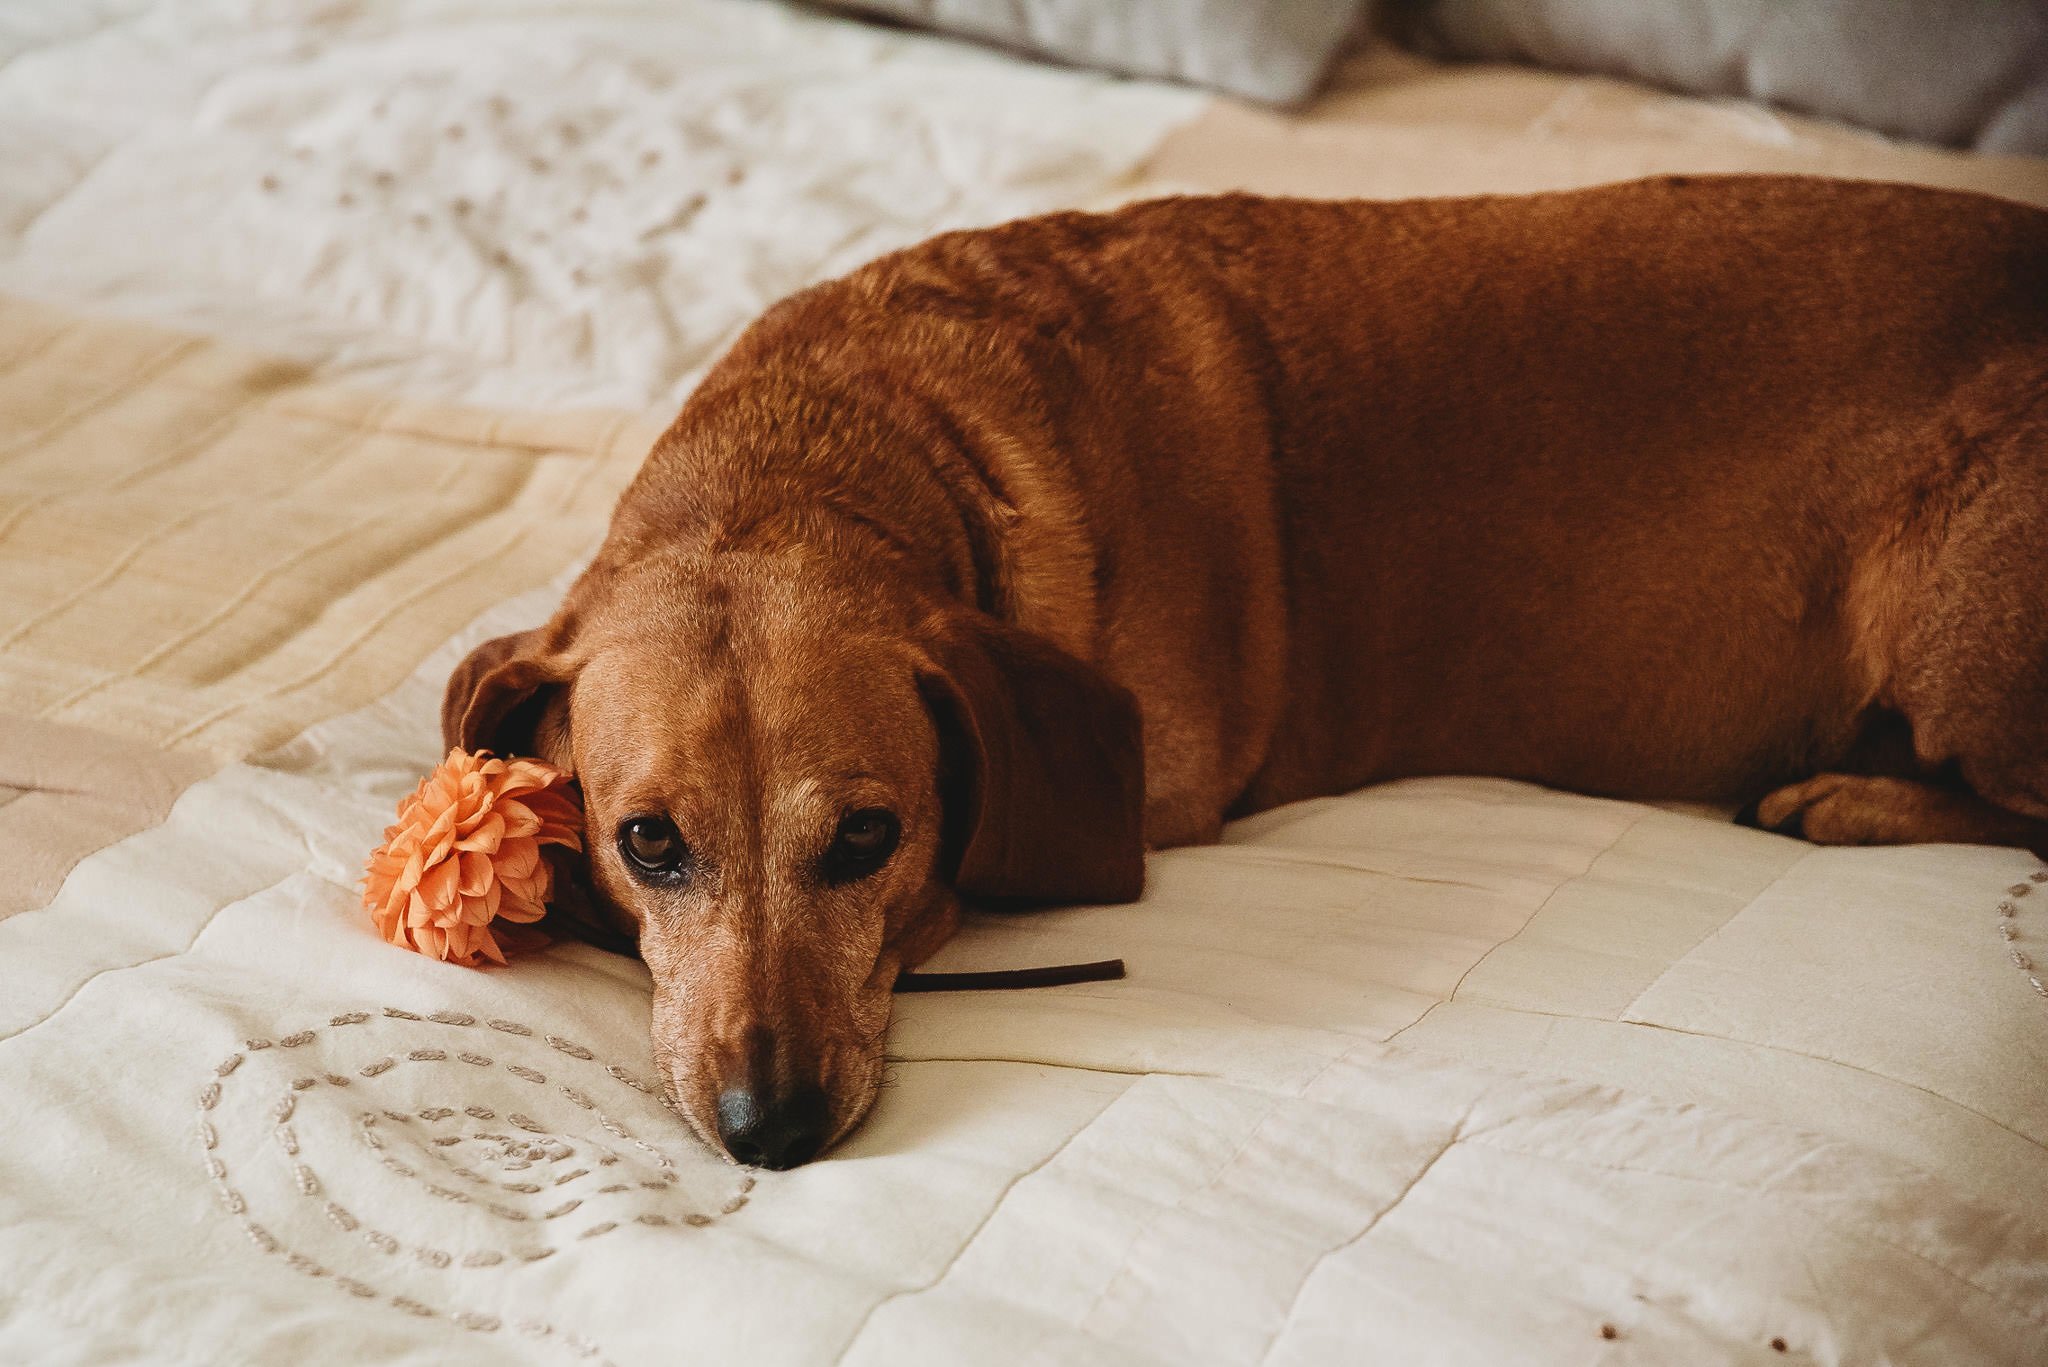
466 851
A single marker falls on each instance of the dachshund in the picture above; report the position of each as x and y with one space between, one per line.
982 570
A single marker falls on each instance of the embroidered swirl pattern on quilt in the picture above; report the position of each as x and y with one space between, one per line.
294 1132
2009 931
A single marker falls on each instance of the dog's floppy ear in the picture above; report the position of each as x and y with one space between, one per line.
510 696
1042 767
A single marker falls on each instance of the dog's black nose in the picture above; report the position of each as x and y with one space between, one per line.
781 1134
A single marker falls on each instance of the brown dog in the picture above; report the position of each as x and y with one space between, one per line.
1677 489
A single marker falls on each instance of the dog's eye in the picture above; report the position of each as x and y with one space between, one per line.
654 847
863 843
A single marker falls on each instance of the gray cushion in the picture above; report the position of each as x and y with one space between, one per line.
1270 50
1970 73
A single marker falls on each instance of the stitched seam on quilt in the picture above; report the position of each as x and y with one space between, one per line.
183 451
221 613
1372 1223
1056 1063
503 546
1838 1063
605 450
346 648
71 417
1712 935
1872 1233
994 1208
185 948
1530 920
1280 856
490 439
1159 1213
242 595
1774 1048
214 774
41 347
156 535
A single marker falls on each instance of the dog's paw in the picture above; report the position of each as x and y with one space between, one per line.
1802 810
1854 809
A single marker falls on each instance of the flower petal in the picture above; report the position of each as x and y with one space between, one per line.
487 944
518 857
486 836
519 819
438 884
475 873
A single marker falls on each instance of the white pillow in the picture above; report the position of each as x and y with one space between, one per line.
1274 51
1969 73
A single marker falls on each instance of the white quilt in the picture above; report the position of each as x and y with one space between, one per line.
1448 1071
516 201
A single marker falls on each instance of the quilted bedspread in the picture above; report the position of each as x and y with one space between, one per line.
1445 1071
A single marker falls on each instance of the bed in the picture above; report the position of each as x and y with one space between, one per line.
328 333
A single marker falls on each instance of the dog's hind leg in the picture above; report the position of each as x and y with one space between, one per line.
1882 793
1862 809
1966 652
1957 623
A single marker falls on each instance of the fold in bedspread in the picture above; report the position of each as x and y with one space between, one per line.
204 550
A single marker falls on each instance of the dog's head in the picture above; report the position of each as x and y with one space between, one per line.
791 773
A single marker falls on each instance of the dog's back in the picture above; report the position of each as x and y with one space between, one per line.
1631 490
1604 489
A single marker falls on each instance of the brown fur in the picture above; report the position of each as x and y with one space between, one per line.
1676 489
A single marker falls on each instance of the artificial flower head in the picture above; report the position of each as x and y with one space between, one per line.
467 853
